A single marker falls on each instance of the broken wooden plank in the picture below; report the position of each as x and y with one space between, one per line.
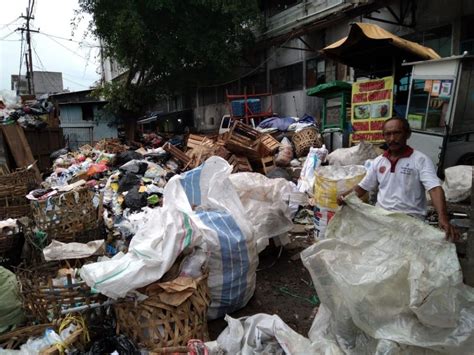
19 147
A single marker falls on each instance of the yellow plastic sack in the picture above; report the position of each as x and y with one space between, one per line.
330 181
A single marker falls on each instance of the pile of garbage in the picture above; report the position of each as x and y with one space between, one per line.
30 114
135 249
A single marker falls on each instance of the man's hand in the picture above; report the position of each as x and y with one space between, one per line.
340 199
452 234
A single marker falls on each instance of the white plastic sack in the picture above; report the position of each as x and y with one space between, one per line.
355 155
152 251
315 158
389 284
266 203
63 251
259 334
226 230
458 182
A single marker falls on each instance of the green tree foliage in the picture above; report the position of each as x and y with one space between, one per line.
170 45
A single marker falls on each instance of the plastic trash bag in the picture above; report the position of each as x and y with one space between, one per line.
315 158
110 344
266 204
126 156
11 312
458 182
138 167
355 155
135 200
164 234
226 230
259 334
128 181
389 281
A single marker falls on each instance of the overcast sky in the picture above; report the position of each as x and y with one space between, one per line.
79 63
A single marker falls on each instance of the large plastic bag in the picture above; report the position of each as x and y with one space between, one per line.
355 155
331 181
458 182
389 281
11 312
227 232
259 334
266 203
153 250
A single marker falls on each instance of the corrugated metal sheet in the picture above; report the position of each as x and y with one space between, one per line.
78 136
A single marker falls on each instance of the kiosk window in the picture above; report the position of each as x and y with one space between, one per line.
429 104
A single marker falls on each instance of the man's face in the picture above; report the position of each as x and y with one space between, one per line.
395 136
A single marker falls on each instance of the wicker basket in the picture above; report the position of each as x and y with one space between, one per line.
15 339
13 189
67 216
305 139
43 301
158 326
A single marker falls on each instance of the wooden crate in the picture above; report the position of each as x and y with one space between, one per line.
178 154
264 165
268 145
196 141
240 164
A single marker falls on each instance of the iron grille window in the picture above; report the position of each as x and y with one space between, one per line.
289 78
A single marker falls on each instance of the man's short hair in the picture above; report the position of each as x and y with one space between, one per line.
405 124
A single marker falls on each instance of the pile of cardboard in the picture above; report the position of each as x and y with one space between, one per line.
243 147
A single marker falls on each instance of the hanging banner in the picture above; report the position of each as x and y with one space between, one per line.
372 104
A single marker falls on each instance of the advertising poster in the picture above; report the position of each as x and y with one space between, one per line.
372 104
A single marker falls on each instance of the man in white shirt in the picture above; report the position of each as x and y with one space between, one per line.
402 176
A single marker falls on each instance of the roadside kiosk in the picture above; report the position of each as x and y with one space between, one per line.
336 113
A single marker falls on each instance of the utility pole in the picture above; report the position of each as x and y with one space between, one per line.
29 55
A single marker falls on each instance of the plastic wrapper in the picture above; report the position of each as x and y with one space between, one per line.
259 334
389 284
458 183
119 344
315 158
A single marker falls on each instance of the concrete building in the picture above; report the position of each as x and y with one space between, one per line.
286 59
83 119
45 82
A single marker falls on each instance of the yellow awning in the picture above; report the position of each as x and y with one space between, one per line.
368 44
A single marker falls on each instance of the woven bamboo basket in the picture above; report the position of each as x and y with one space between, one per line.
67 216
305 139
158 326
15 339
44 301
13 189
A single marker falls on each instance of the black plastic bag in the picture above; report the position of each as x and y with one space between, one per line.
134 166
109 344
128 181
135 200
126 156
55 155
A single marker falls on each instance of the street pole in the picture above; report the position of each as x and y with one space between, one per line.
31 86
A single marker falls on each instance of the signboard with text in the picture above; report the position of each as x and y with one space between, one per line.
371 105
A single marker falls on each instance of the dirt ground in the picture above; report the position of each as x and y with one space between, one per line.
284 287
